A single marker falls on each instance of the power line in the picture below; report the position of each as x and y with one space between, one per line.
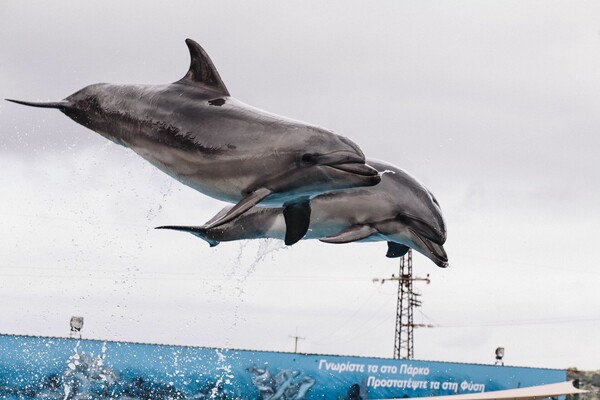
518 322
525 263
85 273
365 327
343 325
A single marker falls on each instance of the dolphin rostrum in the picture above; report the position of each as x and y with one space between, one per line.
399 210
195 132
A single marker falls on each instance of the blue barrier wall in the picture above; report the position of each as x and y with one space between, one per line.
59 368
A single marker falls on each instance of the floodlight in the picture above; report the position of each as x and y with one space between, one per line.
76 324
499 355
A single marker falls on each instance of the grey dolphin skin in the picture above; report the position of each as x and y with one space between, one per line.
195 132
399 210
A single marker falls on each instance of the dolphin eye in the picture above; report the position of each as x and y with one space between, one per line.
309 159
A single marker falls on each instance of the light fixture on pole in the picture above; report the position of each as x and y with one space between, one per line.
76 326
499 356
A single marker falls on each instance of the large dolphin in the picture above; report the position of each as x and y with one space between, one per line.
195 132
400 210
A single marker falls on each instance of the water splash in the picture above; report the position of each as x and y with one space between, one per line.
86 375
387 171
225 375
265 248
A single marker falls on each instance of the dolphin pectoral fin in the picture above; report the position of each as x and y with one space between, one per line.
202 71
244 205
297 220
218 215
352 234
197 231
396 250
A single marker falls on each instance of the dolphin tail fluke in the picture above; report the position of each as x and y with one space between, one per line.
297 220
197 231
352 234
61 105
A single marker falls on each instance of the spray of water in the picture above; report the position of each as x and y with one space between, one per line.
250 254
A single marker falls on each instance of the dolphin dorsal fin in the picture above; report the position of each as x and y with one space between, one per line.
202 71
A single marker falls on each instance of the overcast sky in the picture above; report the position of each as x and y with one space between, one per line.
494 106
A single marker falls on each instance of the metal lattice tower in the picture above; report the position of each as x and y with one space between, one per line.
407 301
403 341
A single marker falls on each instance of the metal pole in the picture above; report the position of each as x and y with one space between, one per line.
296 342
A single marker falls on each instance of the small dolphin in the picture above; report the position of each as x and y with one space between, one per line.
399 210
195 132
